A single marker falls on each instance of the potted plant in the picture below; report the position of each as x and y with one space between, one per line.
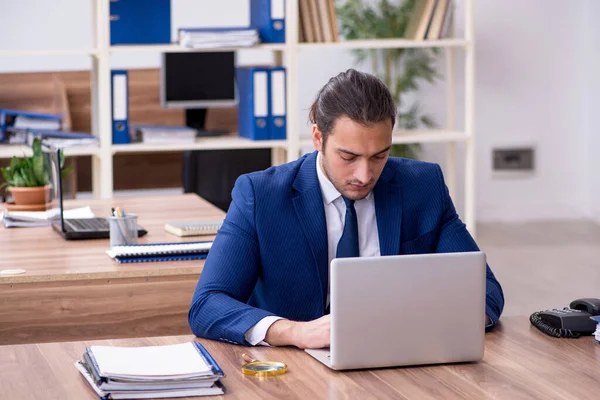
27 179
400 69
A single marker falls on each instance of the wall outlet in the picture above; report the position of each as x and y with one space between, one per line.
517 159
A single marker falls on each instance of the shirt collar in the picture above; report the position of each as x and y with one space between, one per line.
330 193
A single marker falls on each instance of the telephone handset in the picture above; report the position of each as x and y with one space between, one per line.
569 322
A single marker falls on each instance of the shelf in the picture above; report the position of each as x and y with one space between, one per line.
65 52
428 136
417 136
175 48
8 151
207 143
386 44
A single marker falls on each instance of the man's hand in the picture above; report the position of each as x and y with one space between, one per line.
305 335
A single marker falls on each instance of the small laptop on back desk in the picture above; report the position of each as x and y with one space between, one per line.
406 310
69 228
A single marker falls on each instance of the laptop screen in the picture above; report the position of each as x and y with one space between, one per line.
52 161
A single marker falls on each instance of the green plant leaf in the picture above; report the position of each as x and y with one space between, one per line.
14 162
18 180
36 146
27 173
65 172
7 173
38 170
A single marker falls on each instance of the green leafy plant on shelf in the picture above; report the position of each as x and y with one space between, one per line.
400 69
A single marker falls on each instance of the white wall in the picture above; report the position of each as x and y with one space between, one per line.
531 68
593 111
531 87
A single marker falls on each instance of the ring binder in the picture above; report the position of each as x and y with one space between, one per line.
136 253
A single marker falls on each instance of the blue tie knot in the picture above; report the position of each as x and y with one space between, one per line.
349 202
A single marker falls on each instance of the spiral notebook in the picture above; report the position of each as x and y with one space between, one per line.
153 252
193 228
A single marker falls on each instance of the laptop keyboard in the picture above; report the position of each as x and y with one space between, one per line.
88 224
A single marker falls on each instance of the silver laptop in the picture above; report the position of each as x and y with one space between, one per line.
406 310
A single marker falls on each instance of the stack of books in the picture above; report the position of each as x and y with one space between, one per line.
198 38
317 21
430 20
178 370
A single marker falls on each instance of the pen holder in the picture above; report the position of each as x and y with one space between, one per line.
123 230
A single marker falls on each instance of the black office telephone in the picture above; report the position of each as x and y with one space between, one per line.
571 322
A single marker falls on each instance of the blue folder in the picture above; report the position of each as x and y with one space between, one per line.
253 104
268 17
120 107
277 101
140 22
7 119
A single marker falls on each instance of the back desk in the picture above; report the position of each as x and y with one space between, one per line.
72 290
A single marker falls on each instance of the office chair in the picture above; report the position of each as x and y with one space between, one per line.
212 173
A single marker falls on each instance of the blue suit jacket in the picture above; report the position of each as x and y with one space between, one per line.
270 256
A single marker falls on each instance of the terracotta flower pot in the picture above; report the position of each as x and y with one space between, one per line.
30 195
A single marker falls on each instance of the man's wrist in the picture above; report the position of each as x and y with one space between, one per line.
281 333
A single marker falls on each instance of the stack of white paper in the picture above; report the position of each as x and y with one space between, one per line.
23 122
597 332
211 38
25 219
177 370
158 134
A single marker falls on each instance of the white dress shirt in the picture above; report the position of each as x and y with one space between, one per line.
335 215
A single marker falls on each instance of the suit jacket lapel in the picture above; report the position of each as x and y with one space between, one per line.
308 204
388 211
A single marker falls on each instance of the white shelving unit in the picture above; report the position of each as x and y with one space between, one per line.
284 54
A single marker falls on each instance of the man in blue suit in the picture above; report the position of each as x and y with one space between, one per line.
265 280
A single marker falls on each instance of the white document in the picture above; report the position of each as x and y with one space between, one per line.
36 216
176 360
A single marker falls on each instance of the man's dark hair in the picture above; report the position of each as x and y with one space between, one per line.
359 96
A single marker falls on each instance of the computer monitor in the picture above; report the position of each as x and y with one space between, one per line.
195 80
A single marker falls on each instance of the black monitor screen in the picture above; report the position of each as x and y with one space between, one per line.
198 77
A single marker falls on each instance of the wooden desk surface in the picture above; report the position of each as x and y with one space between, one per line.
47 257
72 290
519 363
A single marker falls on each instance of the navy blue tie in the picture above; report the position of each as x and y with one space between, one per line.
348 244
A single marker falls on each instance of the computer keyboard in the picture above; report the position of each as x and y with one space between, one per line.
88 224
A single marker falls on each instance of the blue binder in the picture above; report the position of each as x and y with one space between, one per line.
268 17
253 105
140 22
8 117
120 107
277 111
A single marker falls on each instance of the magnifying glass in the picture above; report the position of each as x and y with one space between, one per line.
262 368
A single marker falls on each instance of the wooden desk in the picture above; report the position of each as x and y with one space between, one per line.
72 290
519 363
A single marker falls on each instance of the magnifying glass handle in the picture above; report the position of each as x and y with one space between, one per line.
247 358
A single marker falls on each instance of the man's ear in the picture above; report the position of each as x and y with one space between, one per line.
317 138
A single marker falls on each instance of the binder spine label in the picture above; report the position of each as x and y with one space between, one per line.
261 101
277 9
